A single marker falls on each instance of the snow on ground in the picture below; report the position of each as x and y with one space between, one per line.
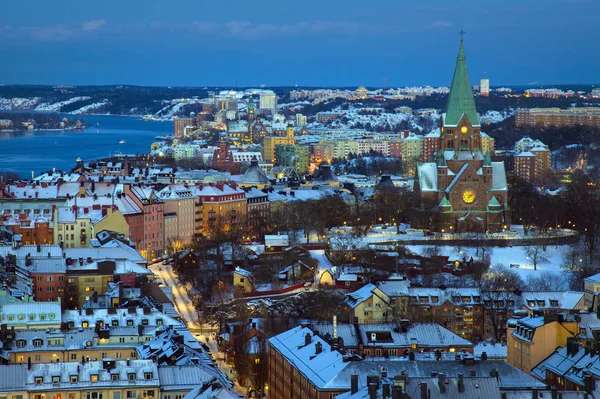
496 116
506 256
18 103
386 120
324 263
90 108
56 107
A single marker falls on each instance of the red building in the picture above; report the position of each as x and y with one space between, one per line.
147 228
395 148
223 159
430 146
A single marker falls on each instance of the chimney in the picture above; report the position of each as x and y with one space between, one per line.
461 383
307 339
353 383
442 382
589 383
383 372
424 390
373 390
494 373
385 390
318 348
473 372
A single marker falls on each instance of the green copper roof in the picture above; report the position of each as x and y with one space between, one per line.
460 99
445 202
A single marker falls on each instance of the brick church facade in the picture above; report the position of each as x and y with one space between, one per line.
462 191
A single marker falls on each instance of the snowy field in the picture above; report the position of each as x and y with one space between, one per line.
505 256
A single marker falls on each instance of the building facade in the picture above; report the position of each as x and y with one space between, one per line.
463 190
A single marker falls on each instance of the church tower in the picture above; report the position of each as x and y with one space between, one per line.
463 190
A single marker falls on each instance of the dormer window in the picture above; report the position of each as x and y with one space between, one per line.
84 323
73 379
144 322
131 376
114 377
39 380
130 322
94 377
147 376
56 379
159 322
115 323
554 303
37 342
541 303
21 343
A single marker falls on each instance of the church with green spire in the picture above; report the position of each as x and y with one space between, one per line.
463 190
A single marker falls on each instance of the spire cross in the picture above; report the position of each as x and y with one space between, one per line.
462 32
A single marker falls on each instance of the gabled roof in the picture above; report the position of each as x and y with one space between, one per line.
428 176
457 177
460 99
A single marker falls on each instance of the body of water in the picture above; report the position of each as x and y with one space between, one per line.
24 152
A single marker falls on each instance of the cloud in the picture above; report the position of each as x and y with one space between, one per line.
93 25
248 30
55 33
441 25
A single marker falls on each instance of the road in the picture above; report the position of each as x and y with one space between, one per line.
183 304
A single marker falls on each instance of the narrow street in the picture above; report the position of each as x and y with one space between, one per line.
203 333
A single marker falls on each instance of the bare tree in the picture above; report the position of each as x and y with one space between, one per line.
536 254
578 266
546 281
498 289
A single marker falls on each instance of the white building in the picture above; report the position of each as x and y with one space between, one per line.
268 101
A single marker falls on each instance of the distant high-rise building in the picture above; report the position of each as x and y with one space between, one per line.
484 87
268 101
300 120
180 124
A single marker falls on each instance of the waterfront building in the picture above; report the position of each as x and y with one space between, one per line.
180 126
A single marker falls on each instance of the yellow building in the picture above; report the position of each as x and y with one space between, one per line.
369 304
220 206
243 280
179 215
532 339
411 152
75 226
270 142
487 143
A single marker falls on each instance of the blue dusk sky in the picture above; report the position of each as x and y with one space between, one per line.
309 42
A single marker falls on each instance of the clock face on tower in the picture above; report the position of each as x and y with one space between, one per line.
468 196
463 129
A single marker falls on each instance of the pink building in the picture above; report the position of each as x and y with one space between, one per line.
152 243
